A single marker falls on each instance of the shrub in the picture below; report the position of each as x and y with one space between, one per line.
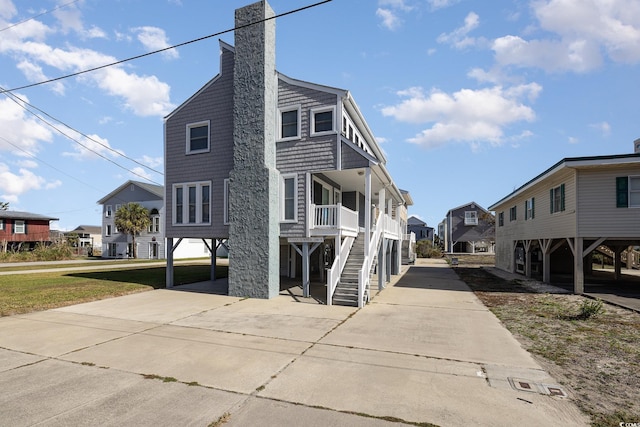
425 249
590 308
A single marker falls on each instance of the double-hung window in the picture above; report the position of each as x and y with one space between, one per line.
107 231
529 208
1 224
471 218
500 219
192 203
289 126
19 227
556 198
288 197
107 211
513 213
322 120
198 137
628 192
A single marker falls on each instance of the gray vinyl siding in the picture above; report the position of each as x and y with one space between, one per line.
469 233
598 215
147 200
213 103
307 154
351 159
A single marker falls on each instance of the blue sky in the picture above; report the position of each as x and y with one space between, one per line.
468 99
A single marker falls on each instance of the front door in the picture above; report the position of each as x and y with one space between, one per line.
153 250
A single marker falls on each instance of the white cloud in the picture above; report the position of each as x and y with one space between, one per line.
573 140
95 147
154 38
27 43
440 4
581 34
7 9
389 19
152 162
458 38
70 19
34 74
21 129
140 172
549 55
467 115
29 164
602 127
16 184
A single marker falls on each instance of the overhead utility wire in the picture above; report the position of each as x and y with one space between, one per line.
166 48
40 14
82 145
58 170
6 93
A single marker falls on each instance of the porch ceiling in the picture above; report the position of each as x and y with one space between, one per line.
354 180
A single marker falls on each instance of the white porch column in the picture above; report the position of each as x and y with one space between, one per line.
367 210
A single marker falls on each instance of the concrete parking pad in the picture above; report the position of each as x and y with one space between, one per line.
425 350
159 306
277 318
410 388
276 413
55 393
225 361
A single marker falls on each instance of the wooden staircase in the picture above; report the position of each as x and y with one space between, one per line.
346 292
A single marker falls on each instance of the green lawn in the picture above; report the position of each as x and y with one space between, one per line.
23 293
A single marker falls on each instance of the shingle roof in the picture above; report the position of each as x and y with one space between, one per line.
25 215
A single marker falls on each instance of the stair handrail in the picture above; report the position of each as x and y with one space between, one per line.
334 273
364 278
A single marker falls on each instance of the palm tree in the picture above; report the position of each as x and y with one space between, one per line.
4 206
132 218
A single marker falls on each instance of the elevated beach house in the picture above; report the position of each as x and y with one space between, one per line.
286 172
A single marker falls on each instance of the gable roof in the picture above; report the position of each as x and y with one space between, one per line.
574 163
465 205
25 215
91 229
157 190
413 220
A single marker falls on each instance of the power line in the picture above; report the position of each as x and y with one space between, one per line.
38 15
79 143
8 94
51 166
166 48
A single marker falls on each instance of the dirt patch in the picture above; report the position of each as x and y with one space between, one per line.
597 359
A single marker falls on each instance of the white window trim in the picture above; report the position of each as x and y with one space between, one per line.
295 197
313 113
206 123
107 211
634 177
225 213
107 230
185 204
470 219
22 226
286 109
1 224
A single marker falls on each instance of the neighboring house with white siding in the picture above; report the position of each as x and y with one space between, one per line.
150 244
554 222
286 171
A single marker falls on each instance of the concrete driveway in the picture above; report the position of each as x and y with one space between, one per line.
425 350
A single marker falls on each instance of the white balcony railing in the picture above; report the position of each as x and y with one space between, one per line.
333 218
333 275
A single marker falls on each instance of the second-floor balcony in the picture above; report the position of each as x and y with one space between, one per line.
331 220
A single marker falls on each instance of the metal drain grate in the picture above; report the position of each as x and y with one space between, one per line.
521 384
